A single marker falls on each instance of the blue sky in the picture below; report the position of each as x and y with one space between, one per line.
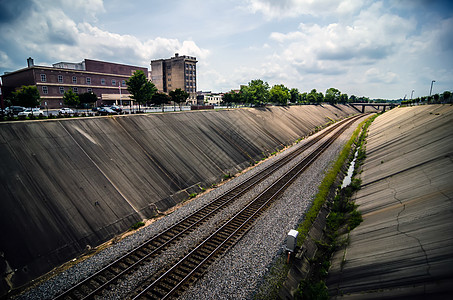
378 49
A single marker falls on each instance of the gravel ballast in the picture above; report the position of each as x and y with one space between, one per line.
237 274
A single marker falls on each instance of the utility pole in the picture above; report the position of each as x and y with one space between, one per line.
431 89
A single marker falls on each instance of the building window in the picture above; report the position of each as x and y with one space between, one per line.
60 78
61 90
75 90
45 90
89 90
88 80
123 83
43 78
74 79
102 81
113 82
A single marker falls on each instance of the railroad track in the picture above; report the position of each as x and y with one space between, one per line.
144 253
178 277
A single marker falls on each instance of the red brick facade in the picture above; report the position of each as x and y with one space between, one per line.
104 79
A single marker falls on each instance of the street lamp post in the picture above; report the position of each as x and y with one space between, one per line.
431 89
119 87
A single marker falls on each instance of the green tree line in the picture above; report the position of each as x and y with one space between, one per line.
258 93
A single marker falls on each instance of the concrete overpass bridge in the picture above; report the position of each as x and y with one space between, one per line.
374 105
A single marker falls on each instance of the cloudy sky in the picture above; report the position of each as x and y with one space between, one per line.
378 49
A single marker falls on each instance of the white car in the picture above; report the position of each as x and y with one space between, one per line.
66 110
33 111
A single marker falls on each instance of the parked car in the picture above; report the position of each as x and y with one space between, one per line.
14 110
66 111
33 111
106 111
95 108
116 108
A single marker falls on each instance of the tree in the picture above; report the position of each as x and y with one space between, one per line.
160 99
179 96
320 98
70 98
343 98
312 97
279 94
256 93
436 97
27 96
446 95
295 96
228 98
332 95
303 97
140 88
88 97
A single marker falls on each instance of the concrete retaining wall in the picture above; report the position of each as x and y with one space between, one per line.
68 183
403 248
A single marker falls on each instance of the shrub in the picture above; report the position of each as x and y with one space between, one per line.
137 225
310 290
355 219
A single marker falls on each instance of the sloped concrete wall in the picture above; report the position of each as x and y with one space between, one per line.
68 183
403 248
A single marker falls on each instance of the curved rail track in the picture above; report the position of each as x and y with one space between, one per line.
113 272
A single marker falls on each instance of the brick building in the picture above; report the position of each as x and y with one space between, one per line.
176 72
106 80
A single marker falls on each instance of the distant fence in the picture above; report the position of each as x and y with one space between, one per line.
198 107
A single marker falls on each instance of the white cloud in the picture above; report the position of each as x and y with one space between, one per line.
375 75
280 9
50 35
347 52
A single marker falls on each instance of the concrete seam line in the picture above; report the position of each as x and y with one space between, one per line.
103 173
146 154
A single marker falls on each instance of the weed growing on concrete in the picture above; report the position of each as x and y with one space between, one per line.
137 225
227 176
